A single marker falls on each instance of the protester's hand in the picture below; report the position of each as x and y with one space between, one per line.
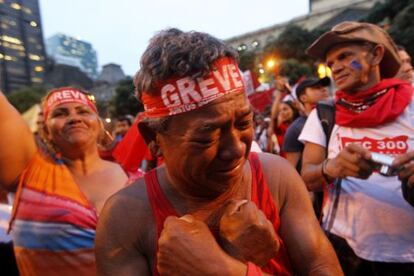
353 161
405 167
247 234
299 106
187 247
282 85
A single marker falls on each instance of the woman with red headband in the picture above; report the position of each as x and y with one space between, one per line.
59 191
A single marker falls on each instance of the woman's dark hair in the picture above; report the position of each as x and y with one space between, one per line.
294 109
173 52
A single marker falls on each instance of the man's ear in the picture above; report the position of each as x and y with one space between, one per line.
147 133
150 138
377 54
303 98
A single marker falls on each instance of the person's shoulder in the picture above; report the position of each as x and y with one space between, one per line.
115 169
296 127
279 174
274 164
126 222
131 197
129 207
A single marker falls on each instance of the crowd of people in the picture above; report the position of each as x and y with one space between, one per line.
202 184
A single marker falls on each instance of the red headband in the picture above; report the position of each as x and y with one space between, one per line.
182 94
67 95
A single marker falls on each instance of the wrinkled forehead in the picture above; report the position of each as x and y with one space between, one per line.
222 110
356 46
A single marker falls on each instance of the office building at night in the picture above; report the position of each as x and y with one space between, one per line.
71 51
22 52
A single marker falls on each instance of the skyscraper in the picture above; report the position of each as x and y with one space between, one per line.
22 53
68 50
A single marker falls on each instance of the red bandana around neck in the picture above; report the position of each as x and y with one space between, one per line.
387 107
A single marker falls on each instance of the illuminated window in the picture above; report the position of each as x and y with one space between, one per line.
13 46
11 39
38 80
10 58
27 10
15 6
34 57
33 24
38 69
1 56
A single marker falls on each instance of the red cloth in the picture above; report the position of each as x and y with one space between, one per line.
253 270
386 109
162 208
183 94
130 152
261 100
280 132
63 95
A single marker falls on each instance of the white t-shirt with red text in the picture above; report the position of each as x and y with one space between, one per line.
372 215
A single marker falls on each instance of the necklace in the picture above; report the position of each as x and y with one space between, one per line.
362 105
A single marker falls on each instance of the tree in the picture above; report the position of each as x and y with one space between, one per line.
247 60
399 14
389 9
124 102
24 98
294 70
292 43
402 30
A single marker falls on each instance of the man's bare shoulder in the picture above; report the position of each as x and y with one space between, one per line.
132 198
280 175
127 219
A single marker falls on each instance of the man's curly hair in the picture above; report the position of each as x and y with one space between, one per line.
173 52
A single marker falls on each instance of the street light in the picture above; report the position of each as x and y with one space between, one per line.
270 63
324 71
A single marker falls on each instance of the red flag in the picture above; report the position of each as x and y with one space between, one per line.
260 100
130 152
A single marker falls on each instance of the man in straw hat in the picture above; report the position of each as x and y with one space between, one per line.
213 208
366 216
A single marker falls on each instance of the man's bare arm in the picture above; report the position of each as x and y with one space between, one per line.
308 248
17 144
312 159
353 160
293 158
118 246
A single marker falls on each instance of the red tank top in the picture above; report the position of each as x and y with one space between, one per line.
162 208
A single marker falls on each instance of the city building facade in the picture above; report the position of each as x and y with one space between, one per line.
22 51
322 14
71 51
105 86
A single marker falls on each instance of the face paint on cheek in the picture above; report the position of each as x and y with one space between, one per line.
356 65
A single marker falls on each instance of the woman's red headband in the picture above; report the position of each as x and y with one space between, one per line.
182 94
67 95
